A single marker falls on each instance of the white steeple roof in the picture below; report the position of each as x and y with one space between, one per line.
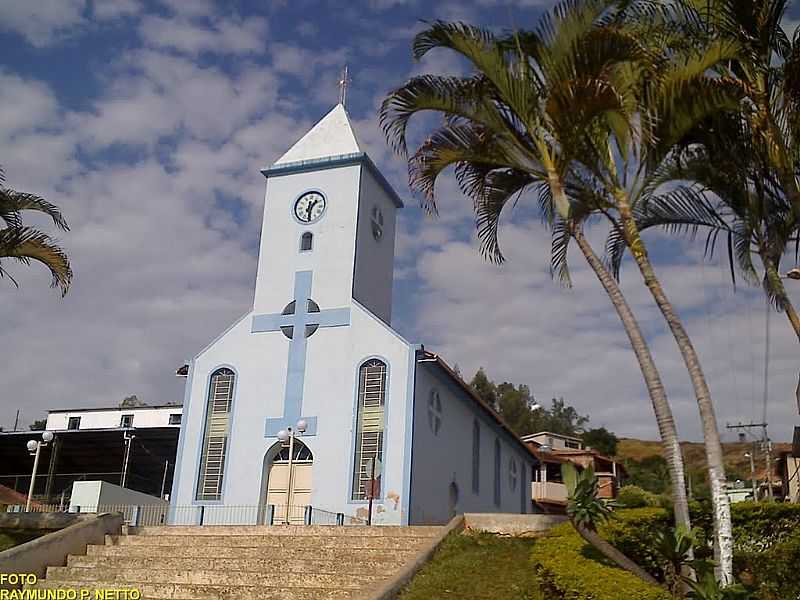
331 136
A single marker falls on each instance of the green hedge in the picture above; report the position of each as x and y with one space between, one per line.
573 570
766 542
774 572
633 533
757 526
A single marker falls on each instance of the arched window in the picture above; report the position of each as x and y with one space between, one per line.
301 453
369 430
497 463
476 457
435 412
306 241
524 489
215 435
513 473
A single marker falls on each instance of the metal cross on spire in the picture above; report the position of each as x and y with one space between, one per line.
343 86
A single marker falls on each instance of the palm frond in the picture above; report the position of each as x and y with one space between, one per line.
12 203
560 237
25 244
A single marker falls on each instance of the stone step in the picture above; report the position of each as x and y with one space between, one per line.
245 552
172 591
361 564
255 541
290 530
131 577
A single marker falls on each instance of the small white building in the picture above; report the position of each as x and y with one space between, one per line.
317 356
555 441
140 417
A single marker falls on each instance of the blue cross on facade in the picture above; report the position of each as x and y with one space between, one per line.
298 321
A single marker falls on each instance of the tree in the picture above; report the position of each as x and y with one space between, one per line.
131 402
21 243
586 511
515 404
564 419
651 474
38 425
486 389
602 440
517 124
746 157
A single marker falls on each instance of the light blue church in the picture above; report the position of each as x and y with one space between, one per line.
316 362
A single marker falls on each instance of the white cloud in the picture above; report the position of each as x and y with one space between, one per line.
219 35
106 10
41 22
191 8
524 328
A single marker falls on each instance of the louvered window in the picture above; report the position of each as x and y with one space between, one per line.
215 438
369 430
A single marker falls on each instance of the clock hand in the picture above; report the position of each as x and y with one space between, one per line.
310 208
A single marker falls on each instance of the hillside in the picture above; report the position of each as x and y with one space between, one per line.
736 463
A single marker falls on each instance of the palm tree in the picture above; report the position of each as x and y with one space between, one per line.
723 195
514 127
24 244
581 110
758 142
586 512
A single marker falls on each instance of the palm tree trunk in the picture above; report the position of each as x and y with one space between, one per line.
611 553
655 388
723 534
785 303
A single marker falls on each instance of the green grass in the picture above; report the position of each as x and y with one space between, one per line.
477 566
14 537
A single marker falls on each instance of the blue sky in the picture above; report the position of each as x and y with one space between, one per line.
148 122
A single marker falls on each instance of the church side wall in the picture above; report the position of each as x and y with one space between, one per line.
446 458
373 277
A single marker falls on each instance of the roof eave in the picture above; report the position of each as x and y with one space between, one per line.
332 162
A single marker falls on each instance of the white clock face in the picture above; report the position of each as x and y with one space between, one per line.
309 207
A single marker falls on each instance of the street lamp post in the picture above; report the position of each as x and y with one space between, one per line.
34 448
288 435
752 474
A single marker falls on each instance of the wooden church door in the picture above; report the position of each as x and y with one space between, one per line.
301 480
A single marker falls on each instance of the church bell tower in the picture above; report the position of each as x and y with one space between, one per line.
329 225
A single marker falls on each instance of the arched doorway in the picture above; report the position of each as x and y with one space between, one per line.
278 481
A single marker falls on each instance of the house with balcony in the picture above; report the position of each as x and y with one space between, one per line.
553 450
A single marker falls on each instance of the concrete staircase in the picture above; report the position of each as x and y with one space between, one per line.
243 562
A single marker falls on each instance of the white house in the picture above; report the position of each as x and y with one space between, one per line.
317 357
71 419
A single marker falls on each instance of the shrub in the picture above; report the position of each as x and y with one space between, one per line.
757 526
633 533
774 572
632 496
573 570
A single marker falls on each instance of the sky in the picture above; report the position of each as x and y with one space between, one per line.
148 121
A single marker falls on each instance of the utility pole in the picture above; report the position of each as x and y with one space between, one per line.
766 447
750 455
768 458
